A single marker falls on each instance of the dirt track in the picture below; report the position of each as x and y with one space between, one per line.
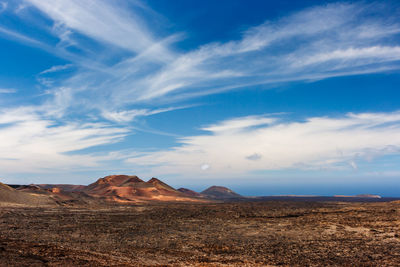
249 233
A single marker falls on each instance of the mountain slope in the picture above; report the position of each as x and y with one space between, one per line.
190 192
11 195
63 187
220 192
161 185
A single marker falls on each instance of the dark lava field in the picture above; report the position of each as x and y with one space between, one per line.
264 233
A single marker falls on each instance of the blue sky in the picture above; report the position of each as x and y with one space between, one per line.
295 97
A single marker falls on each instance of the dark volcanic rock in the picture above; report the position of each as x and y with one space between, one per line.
265 233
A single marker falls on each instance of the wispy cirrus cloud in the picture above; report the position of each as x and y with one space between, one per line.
243 145
125 116
19 37
316 43
125 70
56 68
104 22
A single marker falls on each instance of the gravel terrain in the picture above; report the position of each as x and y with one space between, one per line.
275 233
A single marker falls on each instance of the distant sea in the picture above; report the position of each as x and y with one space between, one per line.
319 190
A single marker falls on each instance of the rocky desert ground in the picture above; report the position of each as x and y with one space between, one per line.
246 233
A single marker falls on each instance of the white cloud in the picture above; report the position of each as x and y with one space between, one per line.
316 143
125 115
205 167
130 115
58 105
372 54
31 143
104 22
57 68
240 124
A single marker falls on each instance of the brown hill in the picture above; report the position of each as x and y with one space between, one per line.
124 188
220 192
63 187
32 189
10 195
189 192
4 187
57 194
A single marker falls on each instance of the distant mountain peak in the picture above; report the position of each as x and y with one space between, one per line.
220 192
160 184
154 180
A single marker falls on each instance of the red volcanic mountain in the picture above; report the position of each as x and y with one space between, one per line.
124 188
119 188
220 192
103 185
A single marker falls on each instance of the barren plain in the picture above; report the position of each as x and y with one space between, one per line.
263 233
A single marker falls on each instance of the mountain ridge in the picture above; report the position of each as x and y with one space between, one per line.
220 192
124 188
